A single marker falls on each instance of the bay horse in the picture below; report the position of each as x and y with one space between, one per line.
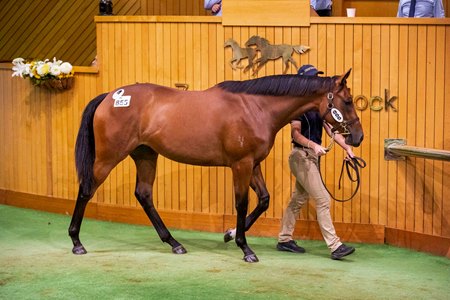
269 51
231 124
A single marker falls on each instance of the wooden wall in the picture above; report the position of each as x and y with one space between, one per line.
173 8
65 28
410 60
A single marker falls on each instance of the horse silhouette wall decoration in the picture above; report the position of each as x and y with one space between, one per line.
270 52
240 53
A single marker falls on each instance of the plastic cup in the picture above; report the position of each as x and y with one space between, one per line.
351 12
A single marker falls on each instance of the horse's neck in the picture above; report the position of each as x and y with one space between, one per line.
285 109
236 47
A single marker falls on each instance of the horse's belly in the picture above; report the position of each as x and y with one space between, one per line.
193 153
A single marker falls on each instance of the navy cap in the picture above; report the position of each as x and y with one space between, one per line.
308 70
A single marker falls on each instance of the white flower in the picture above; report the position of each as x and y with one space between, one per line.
43 68
55 70
66 68
57 62
18 60
19 68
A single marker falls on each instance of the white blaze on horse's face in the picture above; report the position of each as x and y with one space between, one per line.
241 140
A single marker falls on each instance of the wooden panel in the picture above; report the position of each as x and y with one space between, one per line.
370 8
421 242
173 7
266 12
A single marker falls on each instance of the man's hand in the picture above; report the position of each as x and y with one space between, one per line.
318 149
215 8
350 154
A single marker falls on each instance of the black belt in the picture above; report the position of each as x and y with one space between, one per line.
300 147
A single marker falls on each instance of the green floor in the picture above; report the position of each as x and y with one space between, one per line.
130 262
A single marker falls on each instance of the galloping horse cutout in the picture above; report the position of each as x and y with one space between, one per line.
231 124
239 54
269 51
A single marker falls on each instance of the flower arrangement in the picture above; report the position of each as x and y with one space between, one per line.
54 74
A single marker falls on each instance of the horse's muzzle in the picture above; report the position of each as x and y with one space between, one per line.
354 139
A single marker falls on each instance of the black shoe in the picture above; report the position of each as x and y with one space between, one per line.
290 246
342 251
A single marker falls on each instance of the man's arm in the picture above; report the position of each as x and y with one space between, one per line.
439 11
339 139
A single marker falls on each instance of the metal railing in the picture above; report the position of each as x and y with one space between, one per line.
396 149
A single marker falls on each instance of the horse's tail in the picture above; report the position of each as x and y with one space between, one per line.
85 146
300 49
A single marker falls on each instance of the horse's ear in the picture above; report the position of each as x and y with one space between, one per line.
342 80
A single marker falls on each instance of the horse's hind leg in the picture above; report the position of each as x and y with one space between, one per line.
101 171
258 184
286 61
145 160
77 218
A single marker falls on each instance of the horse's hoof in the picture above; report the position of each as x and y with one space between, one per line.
179 250
228 236
79 250
251 258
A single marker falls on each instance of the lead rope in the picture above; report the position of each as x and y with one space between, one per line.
354 164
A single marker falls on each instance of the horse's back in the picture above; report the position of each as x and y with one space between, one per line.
186 126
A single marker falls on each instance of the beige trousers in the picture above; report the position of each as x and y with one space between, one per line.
304 166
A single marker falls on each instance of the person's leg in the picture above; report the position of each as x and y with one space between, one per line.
312 183
298 199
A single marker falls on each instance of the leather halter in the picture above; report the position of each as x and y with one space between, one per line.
342 125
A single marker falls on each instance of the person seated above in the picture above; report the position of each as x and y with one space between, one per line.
421 9
215 6
322 7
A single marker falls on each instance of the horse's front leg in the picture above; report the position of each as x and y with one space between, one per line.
258 184
260 62
238 63
232 63
250 65
242 172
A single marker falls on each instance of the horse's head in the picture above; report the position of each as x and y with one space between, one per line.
229 43
252 41
257 40
338 110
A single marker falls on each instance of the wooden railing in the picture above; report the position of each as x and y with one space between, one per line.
396 149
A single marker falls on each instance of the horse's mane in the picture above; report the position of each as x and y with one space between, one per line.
281 85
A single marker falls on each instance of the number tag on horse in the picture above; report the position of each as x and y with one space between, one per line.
337 115
120 100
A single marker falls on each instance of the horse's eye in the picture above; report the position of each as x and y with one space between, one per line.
348 101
